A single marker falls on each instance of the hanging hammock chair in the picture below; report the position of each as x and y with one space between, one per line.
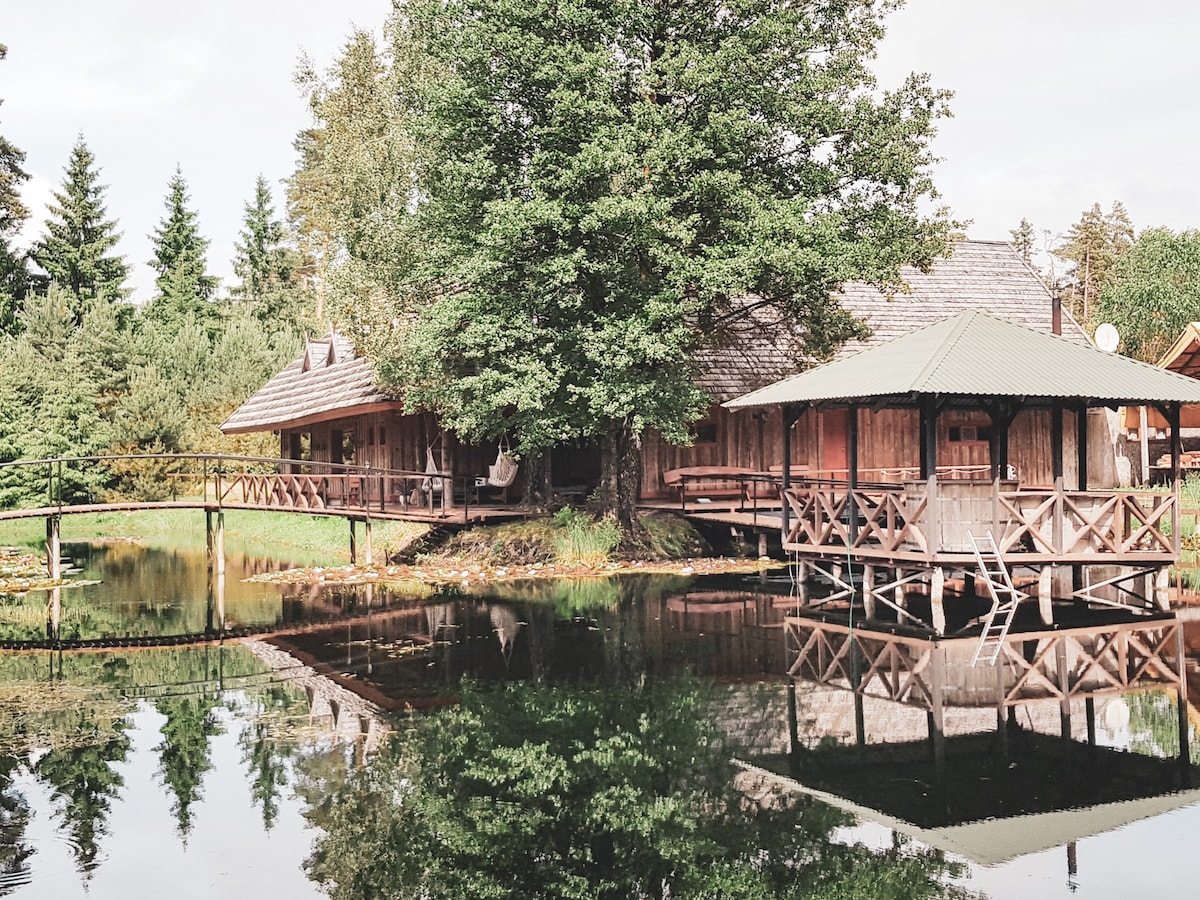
503 471
431 468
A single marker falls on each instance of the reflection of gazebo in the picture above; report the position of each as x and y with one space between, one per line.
1117 544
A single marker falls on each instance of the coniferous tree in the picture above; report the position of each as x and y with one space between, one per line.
263 261
179 258
14 276
76 251
1092 247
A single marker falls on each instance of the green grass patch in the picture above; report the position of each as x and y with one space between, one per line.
308 540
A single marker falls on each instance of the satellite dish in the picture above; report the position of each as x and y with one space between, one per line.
1107 337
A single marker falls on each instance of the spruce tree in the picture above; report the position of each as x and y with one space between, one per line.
183 287
262 261
76 251
14 277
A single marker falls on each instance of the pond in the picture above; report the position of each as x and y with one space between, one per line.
239 765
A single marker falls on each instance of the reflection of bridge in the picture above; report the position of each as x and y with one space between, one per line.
214 482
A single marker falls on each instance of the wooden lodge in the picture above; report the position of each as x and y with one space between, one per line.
327 409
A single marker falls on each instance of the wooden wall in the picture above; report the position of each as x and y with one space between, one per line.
888 441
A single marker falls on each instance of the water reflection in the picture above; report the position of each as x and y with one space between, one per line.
575 734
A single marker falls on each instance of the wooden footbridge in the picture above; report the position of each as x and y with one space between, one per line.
215 482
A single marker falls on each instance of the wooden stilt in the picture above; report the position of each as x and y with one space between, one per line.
353 544
802 583
1045 604
1162 589
867 594
219 550
53 548
793 724
208 535
1001 707
1181 707
937 721
762 544
221 600
369 547
1064 685
937 592
1089 710
54 614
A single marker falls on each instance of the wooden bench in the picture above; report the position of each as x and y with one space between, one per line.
703 483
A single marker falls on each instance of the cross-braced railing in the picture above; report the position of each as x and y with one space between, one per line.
927 520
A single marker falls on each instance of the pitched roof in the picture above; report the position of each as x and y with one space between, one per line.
327 381
974 354
976 275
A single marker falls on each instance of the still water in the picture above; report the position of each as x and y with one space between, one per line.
215 770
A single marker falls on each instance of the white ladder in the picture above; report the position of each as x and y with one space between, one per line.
1005 598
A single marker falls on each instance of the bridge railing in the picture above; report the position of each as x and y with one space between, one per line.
228 480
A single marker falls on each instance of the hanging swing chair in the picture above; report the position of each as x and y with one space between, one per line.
503 471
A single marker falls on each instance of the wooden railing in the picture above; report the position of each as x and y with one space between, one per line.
219 480
928 518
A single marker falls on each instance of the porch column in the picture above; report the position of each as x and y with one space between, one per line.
1176 481
852 453
928 437
790 414
1081 445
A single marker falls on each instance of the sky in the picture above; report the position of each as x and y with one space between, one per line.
1057 105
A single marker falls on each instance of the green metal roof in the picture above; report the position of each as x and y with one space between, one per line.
974 354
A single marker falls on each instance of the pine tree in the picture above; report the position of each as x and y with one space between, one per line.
14 277
1093 246
76 252
183 287
1022 240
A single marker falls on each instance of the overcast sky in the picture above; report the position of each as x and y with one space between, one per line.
1057 104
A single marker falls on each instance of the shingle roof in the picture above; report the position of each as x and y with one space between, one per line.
327 381
986 275
974 354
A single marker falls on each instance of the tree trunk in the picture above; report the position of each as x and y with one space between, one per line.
621 479
537 480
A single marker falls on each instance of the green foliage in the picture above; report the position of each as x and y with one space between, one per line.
1093 247
531 791
265 264
547 209
1022 240
184 289
76 252
1153 291
14 276
582 541
183 752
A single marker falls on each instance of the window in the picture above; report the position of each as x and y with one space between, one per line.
970 433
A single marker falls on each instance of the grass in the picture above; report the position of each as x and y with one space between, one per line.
312 540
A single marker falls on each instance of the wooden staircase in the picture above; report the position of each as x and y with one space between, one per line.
994 573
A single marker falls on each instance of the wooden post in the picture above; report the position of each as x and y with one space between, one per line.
1001 707
353 544
793 725
789 420
868 593
220 544
1144 442
1045 597
852 453
1176 481
1089 711
54 614
370 547
53 548
936 716
1181 706
937 591
208 534
1081 446
1064 685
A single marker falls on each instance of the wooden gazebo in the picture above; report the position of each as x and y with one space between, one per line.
918 535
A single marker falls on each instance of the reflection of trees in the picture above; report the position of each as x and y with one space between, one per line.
183 753
534 791
265 751
1153 723
14 819
85 783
